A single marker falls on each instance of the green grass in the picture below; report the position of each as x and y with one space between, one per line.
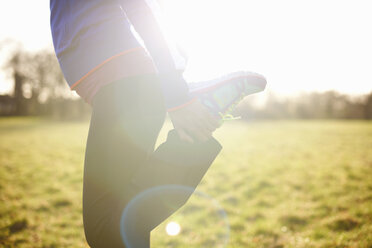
281 183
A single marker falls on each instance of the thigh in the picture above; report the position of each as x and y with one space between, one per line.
127 117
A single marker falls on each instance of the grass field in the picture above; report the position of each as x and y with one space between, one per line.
281 184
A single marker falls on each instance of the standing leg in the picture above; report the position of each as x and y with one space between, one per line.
127 117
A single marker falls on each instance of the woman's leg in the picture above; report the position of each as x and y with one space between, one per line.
120 163
170 177
127 117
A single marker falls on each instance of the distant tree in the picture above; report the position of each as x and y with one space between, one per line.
36 76
15 64
368 107
45 79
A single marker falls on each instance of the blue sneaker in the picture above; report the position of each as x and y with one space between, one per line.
221 95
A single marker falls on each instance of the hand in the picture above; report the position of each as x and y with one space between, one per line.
194 122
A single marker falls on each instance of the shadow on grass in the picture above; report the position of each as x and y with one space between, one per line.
293 222
343 224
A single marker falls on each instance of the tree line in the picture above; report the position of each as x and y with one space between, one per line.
40 89
313 105
39 86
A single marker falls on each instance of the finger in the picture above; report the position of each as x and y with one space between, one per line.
203 126
211 118
210 124
184 136
206 123
199 131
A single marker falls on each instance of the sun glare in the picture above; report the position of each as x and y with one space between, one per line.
209 31
173 228
279 39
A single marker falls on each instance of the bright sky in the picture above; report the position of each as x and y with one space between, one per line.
297 45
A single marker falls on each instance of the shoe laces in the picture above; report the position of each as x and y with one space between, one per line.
227 116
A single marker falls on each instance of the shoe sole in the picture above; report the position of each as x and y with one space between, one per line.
248 82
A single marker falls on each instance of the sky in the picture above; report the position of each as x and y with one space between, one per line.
298 45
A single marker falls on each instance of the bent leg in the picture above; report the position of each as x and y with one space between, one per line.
120 164
171 176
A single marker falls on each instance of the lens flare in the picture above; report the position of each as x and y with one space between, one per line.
176 215
173 228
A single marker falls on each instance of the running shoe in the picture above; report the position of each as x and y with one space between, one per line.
221 95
